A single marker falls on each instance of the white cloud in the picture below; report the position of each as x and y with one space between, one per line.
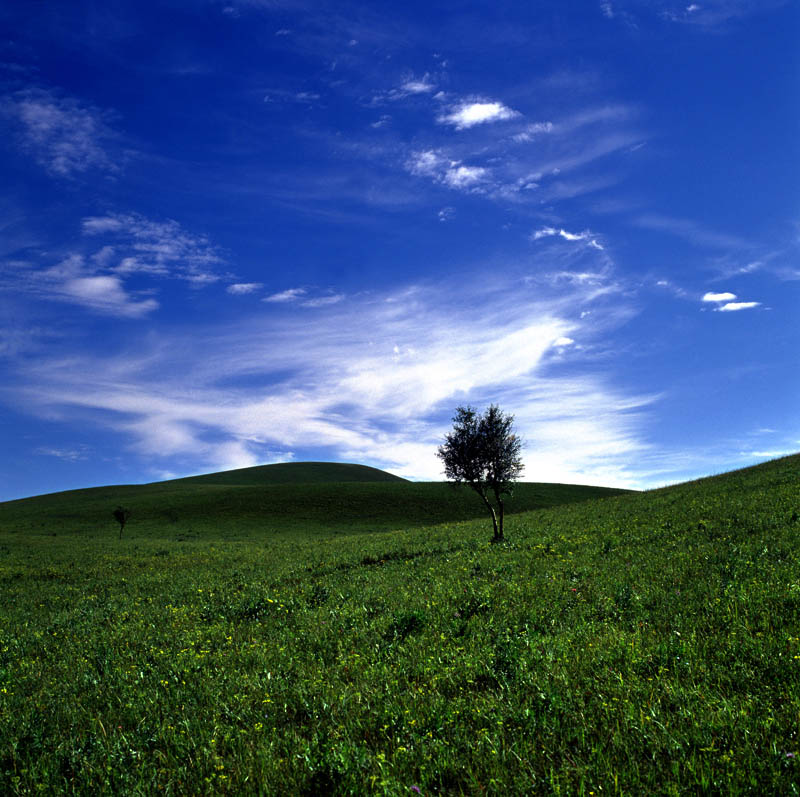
446 213
67 454
98 225
241 288
290 295
64 136
158 247
426 163
375 382
551 169
718 297
410 87
104 256
713 13
451 173
732 307
138 246
422 86
476 112
547 232
729 305
464 176
106 295
77 281
533 131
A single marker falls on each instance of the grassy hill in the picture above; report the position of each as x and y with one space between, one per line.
294 499
297 473
642 643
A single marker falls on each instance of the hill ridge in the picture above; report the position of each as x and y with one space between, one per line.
310 472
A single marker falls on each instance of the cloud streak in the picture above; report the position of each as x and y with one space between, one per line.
732 307
373 379
64 136
113 249
726 304
162 248
586 236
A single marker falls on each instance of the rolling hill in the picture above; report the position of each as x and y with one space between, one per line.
302 497
297 473
633 643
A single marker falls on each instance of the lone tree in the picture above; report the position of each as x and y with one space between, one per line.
121 515
483 452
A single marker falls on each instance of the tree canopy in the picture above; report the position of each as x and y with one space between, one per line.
483 451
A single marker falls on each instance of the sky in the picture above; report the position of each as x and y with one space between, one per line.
252 231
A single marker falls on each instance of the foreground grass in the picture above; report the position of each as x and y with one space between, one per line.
647 643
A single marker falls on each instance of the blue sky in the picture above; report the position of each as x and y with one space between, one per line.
243 232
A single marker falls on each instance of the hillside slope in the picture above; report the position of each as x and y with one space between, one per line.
644 643
271 500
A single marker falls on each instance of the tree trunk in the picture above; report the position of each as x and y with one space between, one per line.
500 537
497 535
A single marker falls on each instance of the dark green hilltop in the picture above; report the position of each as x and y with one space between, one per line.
297 473
296 497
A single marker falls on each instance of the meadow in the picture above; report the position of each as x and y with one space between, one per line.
364 637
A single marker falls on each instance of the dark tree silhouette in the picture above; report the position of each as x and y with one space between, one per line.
483 452
121 515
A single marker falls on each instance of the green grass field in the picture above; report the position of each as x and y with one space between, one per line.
364 637
297 500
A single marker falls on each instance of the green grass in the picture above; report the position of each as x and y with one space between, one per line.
297 473
646 643
294 500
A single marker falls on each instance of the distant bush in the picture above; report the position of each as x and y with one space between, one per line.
121 515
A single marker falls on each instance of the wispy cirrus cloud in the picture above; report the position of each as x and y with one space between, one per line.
75 280
586 236
303 297
243 288
76 454
112 249
532 131
448 172
423 85
285 95
689 230
289 295
107 295
64 136
323 301
410 87
535 162
162 248
714 13
711 15
375 382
